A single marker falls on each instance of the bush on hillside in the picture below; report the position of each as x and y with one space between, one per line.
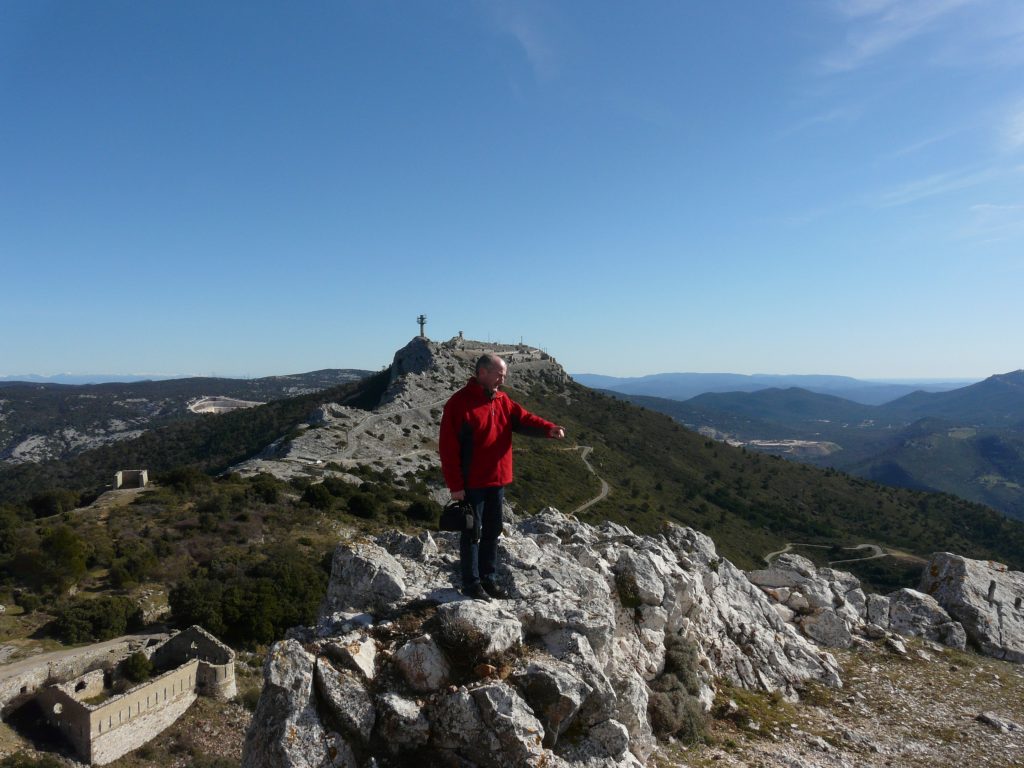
137 667
318 497
100 618
364 505
257 606
423 510
53 502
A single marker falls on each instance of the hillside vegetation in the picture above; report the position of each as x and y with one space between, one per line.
245 557
750 503
968 441
210 443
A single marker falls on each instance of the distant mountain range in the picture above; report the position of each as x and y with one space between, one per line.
968 441
89 378
683 386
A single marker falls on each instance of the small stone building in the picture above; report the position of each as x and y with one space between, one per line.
131 478
104 727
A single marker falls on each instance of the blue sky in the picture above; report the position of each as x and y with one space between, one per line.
258 188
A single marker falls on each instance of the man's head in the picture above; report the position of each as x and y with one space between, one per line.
490 372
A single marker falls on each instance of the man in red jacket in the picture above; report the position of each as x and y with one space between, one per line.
476 458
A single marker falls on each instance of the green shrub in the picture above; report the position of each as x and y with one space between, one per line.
53 502
28 601
673 706
423 510
249 698
265 487
100 618
185 480
364 505
256 607
21 760
318 497
137 667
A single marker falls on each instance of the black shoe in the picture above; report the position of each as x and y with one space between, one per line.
476 591
495 590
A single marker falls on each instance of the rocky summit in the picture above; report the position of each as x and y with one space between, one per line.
400 432
611 645
606 639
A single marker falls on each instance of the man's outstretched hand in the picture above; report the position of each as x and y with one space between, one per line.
556 433
458 495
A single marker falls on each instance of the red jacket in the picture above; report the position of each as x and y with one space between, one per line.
476 437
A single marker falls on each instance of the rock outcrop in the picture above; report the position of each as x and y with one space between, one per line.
831 608
400 431
985 597
401 666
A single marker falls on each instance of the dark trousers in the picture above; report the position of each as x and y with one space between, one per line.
478 549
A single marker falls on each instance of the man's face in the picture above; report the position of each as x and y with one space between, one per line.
490 378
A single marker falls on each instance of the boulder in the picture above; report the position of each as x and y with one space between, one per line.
364 576
423 664
915 614
481 628
286 730
878 610
357 652
508 717
401 724
985 597
825 627
554 692
346 699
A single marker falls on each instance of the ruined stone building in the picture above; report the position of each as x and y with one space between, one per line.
103 726
131 478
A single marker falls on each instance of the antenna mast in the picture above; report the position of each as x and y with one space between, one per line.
422 320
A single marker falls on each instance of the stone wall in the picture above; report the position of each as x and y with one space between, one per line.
128 721
85 687
105 731
217 680
131 478
61 666
68 715
190 663
191 643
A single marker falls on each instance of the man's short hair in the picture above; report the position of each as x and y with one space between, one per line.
488 361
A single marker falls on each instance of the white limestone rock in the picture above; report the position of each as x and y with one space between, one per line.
915 614
638 579
401 723
597 607
484 627
1001 724
423 664
985 597
356 651
364 577
346 699
554 692
456 725
513 723
878 610
286 731
826 627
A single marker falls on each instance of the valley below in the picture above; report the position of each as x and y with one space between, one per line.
252 498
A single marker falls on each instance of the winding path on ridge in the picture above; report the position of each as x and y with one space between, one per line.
586 450
876 552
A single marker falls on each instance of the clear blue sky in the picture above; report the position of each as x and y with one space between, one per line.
254 188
